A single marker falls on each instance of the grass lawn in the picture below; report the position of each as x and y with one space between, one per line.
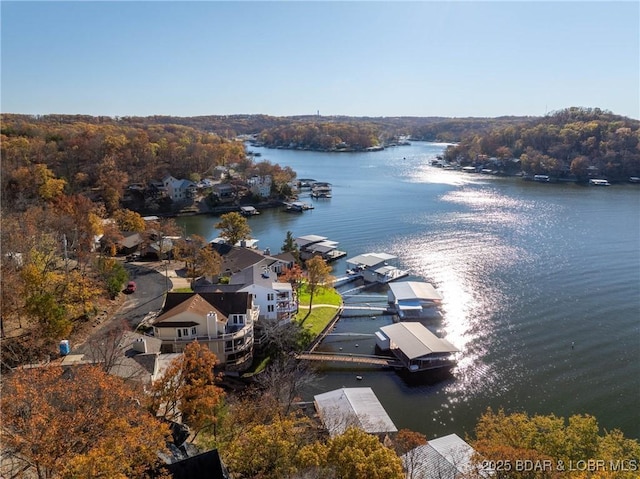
320 316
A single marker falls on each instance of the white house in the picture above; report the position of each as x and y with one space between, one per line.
223 321
178 190
275 300
260 185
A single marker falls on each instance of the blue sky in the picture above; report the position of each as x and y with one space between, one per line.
421 58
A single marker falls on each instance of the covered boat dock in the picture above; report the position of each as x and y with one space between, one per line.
417 348
341 408
414 299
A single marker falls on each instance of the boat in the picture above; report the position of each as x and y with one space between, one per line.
599 182
541 178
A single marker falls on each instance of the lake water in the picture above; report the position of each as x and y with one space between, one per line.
526 270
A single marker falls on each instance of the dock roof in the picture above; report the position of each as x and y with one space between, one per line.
415 340
308 239
409 290
321 247
371 259
358 407
447 456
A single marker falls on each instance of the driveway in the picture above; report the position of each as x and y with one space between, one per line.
151 284
152 281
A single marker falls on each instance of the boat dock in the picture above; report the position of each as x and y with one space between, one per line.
362 359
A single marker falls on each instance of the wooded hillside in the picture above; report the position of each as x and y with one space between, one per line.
575 142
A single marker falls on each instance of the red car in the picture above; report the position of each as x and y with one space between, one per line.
131 287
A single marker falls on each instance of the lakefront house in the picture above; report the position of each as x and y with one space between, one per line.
224 322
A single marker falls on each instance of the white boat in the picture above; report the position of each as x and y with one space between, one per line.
599 182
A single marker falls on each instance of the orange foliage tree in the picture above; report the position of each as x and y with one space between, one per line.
187 391
77 422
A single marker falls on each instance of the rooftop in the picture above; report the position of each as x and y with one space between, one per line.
415 340
360 407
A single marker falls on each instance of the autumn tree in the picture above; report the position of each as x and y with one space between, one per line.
188 392
128 220
199 258
111 181
268 450
77 422
318 276
353 454
49 187
508 437
233 227
293 276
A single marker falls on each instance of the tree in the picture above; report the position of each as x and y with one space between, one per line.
128 220
199 258
518 436
293 276
406 442
353 455
187 390
318 276
108 349
113 274
77 422
234 227
290 246
284 379
268 450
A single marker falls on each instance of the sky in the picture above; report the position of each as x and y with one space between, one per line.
355 58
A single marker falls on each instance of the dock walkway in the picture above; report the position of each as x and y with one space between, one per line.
352 359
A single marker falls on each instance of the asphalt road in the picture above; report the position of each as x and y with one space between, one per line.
149 295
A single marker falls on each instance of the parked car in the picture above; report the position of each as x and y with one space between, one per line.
131 287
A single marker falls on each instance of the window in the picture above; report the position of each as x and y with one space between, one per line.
270 296
194 332
179 332
270 308
185 332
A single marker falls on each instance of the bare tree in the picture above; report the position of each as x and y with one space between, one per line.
284 380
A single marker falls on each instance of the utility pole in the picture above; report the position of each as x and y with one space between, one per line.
66 254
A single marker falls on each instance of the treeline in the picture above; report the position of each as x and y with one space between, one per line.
574 142
322 136
103 155
230 126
